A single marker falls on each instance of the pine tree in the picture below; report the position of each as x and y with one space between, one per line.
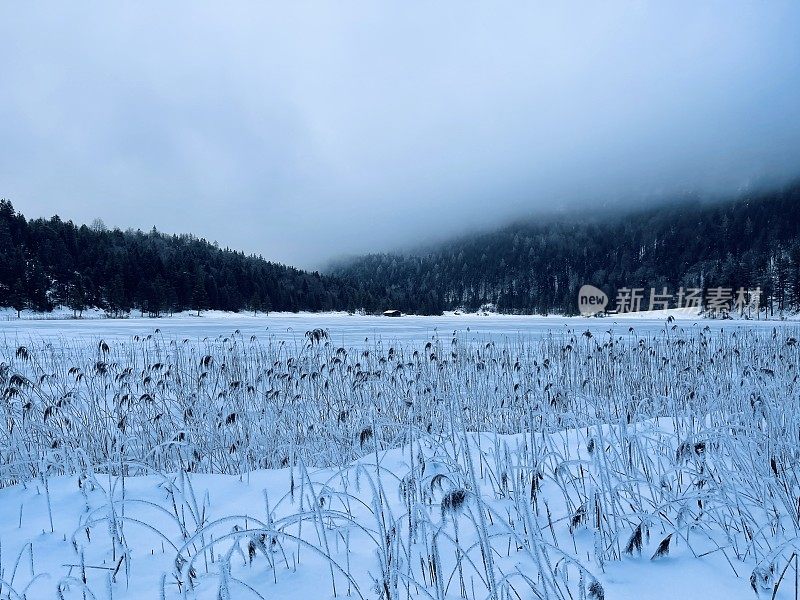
17 297
199 294
117 302
255 302
76 298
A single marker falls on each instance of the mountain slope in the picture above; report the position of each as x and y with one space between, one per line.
45 262
538 267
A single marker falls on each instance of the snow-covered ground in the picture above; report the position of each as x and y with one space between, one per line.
250 536
618 458
348 329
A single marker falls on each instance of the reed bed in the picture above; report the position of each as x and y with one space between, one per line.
443 469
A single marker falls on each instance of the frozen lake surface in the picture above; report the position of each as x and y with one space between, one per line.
352 330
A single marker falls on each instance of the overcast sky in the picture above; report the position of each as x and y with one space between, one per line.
305 131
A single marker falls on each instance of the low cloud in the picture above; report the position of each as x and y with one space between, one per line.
306 131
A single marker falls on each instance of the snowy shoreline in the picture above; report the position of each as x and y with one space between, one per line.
348 329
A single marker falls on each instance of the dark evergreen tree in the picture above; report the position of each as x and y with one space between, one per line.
199 294
256 302
76 297
116 299
16 298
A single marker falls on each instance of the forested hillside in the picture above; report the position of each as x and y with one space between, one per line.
530 267
538 267
44 263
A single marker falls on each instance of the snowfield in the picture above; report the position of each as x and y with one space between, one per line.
344 328
308 456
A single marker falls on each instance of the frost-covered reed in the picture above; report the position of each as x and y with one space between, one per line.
560 453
